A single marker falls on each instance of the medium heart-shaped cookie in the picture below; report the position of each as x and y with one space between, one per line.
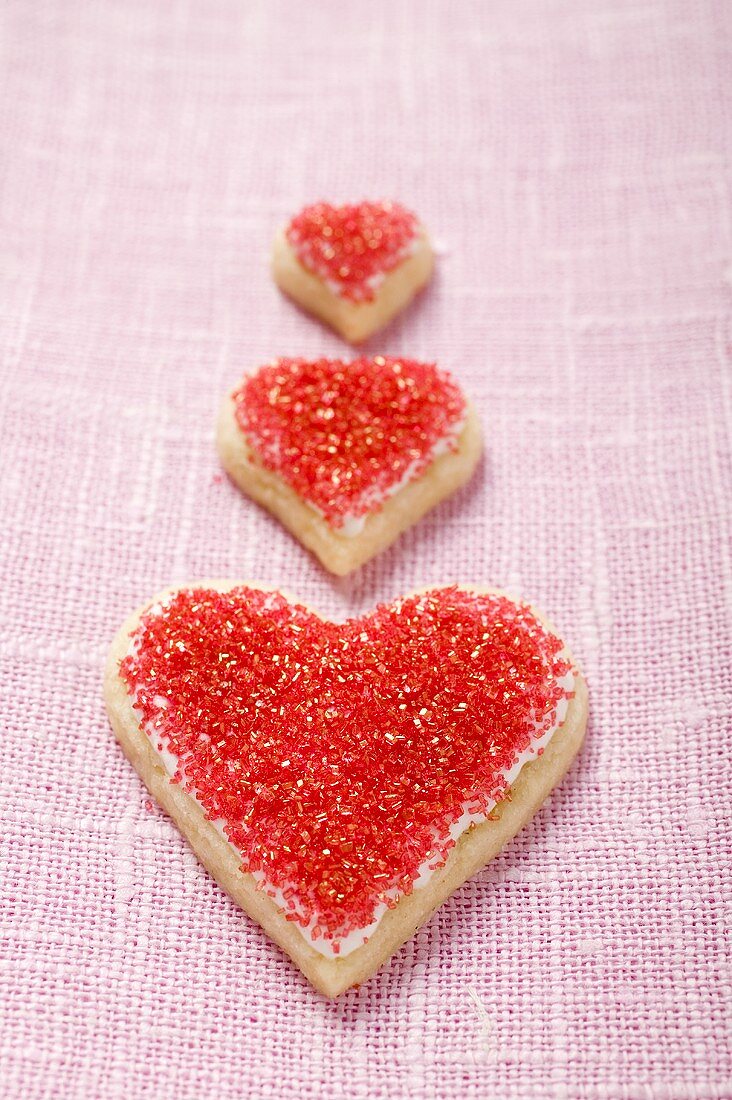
341 780
347 455
354 266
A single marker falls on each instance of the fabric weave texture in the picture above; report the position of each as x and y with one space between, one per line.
572 161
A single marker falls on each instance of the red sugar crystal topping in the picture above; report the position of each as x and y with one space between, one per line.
337 755
343 434
352 247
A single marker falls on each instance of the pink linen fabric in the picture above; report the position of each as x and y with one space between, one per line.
572 160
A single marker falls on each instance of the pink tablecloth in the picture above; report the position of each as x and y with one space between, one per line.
573 162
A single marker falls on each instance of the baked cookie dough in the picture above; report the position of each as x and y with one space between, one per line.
348 455
340 781
355 267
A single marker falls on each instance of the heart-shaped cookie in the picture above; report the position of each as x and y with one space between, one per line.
347 455
354 266
340 780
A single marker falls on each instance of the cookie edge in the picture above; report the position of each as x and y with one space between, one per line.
472 852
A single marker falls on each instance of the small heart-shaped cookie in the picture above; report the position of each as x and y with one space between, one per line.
347 455
340 780
353 266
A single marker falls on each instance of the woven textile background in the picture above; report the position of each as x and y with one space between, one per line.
572 160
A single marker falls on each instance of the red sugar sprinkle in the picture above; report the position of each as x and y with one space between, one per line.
353 247
342 434
338 755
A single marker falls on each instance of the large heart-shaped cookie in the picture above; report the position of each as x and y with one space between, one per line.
354 266
348 454
340 780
